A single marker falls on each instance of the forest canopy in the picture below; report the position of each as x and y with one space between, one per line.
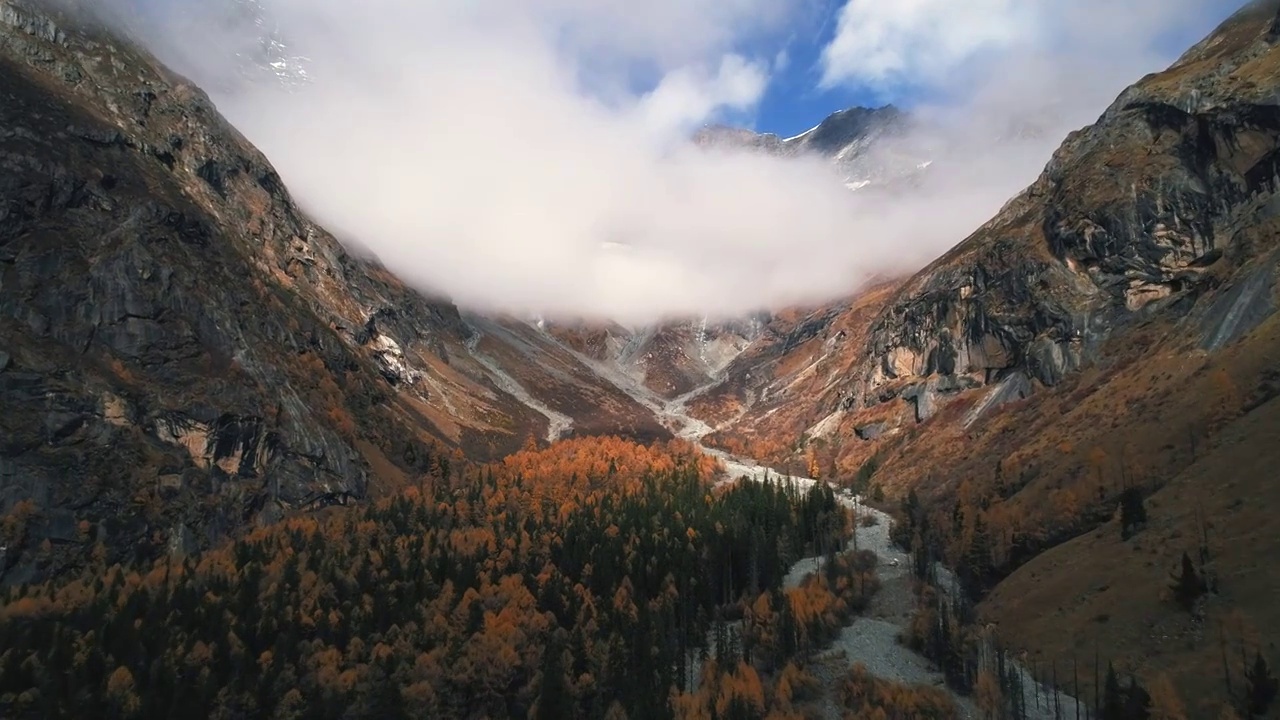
597 578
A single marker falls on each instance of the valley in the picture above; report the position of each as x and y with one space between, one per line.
243 462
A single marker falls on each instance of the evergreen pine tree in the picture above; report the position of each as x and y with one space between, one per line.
1187 585
1137 702
1260 687
911 508
977 561
1112 697
553 695
1133 513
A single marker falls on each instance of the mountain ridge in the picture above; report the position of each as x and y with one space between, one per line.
865 146
167 307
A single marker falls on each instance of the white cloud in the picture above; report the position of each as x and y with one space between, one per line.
1099 46
781 61
670 33
882 43
688 96
502 151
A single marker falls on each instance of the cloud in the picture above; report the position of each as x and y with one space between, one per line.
883 44
688 96
529 155
1045 47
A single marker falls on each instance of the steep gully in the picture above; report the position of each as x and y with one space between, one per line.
673 414
871 639
557 423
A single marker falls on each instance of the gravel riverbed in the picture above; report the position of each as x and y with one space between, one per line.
872 638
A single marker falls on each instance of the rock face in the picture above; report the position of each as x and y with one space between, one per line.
789 383
183 350
1164 212
1140 214
162 301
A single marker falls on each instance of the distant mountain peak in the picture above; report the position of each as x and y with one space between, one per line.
842 127
849 138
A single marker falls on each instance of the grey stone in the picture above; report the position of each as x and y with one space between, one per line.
1050 361
182 541
55 524
924 397
1239 310
871 431
1012 388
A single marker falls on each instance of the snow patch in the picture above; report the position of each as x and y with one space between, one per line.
793 138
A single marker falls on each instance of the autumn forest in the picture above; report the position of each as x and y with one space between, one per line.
597 579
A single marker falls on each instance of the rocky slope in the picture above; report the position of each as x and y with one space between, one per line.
1161 210
1140 214
1112 327
184 351
671 358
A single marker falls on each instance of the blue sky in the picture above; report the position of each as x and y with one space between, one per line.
796 99
793 101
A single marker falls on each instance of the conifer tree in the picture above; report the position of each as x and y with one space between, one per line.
1137 705
1187 586
553 697
1260 687
1133 513
1112 697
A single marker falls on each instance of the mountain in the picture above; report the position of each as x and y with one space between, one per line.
184 351
1152 214
868 149
865 146
1112 329
669 359
245 34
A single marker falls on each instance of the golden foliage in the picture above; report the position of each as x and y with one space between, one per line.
1166 703
870 698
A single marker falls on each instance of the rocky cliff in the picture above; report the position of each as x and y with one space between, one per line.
669 359
1143 213
1161 211
182 349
